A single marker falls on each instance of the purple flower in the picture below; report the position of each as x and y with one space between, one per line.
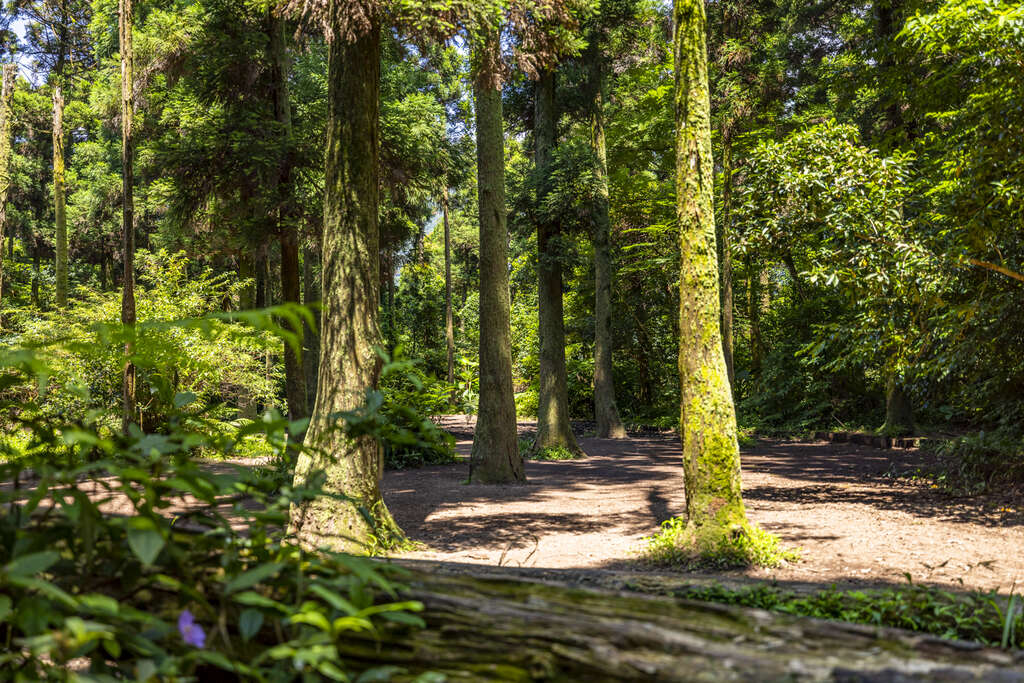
191 632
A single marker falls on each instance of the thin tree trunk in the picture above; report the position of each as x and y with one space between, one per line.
449 327
495 458
10 72
127 209
311 345
36 258
294 375
553 427
725 254
261 277
711 460
247 295
349 364
606 411
59 211
754 301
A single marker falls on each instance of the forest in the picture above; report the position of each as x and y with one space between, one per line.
568 340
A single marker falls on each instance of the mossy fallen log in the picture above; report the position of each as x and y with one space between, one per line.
516 629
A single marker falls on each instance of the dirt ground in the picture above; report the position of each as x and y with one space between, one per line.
832 500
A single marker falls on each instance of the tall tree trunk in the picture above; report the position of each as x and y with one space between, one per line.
36 258
349 364
754 299
899 411
711 459
495 458
311 345
261 277
10 72
246 295
553 427
294 375
59 211
127 208
606 411
725 253
449 327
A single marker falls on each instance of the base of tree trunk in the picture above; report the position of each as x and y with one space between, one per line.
496 625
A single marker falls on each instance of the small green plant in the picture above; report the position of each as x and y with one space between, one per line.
679 544
554 453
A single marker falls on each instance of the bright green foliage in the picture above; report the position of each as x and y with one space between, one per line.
685 546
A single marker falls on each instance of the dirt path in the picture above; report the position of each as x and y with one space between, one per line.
853 524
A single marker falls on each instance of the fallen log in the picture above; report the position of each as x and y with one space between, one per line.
515 629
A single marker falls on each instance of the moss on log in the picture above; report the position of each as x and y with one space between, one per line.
494 627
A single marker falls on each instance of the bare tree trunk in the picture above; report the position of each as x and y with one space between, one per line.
10 72
495 458
36 258
711 459
294 376
725 254
553 427
247 295
311 345
449 327
128 388
606 411
59 210
349 364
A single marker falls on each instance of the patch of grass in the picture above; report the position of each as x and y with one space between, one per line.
982 617
709 547
554 453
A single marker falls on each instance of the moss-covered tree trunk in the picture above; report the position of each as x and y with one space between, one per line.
449 326
59 209
495 458
725 253
10 73
349 363
553 427
711 461
125 23
606 411
287 228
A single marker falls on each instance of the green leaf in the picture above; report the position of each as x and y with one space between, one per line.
27 565
145 543
253 599
5 607
252 577
249 623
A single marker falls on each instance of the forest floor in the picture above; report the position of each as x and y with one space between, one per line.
855 525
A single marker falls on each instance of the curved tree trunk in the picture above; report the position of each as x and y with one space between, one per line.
495 458
126 18
349 364
491 625
10 73
711 460
59 209
553 427
606 411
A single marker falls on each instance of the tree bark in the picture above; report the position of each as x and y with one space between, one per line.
349 363
59 210
899 411
247 295
606 411
492 625
311 344
553 427
125 23
711 461
10 73
449 326
495 458
287 229
754 297
725 254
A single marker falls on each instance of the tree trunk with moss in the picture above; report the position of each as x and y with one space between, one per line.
553 427
495 458
489 624
311 334
725 253
606 411
711 460
449 326
125 23
59 207
349 363
10 73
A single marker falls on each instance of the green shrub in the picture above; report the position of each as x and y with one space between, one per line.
978 463
399 415
679 544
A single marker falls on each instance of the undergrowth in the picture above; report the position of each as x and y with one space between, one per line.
977 463
981 617
684 546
